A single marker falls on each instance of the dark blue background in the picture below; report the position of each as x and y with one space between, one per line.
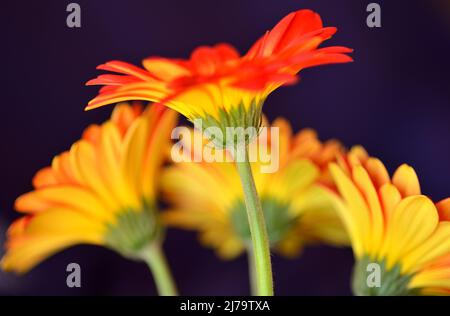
394 99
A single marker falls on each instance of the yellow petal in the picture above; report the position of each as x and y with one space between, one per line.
291 180
71 197
198 185
319 220
354 211
156 150
110 156
230 248
223 240
164 69
64 221
46 233
84 162
194 219
390 197
134 148
434 247
22 258
365 185
433 281
405 179
412 223
285 135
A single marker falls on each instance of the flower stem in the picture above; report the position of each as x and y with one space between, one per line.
156 261
260 241
251 270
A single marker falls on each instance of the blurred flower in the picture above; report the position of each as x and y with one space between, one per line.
391 224
206 196
218 85
101 192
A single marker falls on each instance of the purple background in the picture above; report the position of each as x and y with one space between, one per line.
394 99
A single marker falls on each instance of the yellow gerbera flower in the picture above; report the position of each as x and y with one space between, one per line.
392 225
206 196
100 192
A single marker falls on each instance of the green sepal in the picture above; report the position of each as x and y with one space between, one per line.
277 217
134 231
239 116
392 282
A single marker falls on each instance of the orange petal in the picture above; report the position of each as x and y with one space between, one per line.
289 29
405 179
377 172
444 209
44 177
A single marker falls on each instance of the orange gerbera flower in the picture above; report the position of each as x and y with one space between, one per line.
218 85
100 192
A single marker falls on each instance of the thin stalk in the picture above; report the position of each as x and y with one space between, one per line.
251 270
156 261
260 241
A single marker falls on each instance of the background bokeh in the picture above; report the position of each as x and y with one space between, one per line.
394 99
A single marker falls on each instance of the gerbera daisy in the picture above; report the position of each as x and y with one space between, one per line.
392 225
100 192
205 196
218 85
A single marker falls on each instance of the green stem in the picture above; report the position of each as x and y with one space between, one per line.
251 270
260 241
156 261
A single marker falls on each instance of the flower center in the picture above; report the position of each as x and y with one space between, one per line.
371 278
278 220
